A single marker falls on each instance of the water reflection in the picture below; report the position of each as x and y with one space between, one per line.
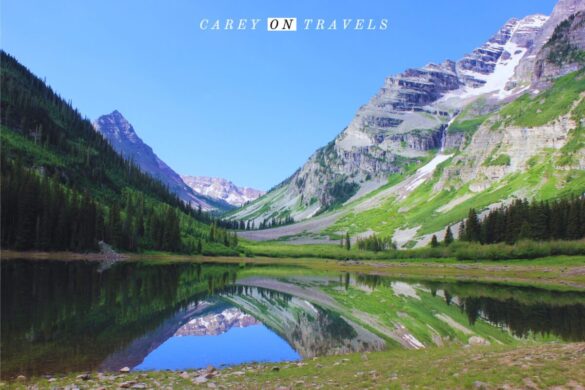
75 316
523 311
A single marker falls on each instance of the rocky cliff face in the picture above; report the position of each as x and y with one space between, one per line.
403 123
564 52
522 145
123 138
525 71
222 190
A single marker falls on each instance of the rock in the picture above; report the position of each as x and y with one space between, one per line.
275 369
476 340
125 370
211 385
21 378
222 189
238 373
127 384
364 356
529 384
200 379
51 380
83 377
211 369
139 386
184 375
101 388
480 385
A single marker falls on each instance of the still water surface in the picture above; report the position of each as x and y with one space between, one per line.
78 315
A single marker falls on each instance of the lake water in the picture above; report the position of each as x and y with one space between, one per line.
62 316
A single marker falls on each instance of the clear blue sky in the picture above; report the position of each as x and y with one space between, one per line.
248 106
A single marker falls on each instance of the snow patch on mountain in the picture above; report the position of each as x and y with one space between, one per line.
222 189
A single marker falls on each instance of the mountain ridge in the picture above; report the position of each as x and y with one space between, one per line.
116 129
222 189
450 109
400 124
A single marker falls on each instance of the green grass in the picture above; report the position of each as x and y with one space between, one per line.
21 146
501 160
453 367
576 138
536 111
467 127
422 207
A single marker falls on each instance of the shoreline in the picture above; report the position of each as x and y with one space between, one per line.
565 273
482 367
65 255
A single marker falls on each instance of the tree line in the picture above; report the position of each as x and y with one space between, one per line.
267 223
37 212
65 188
562 219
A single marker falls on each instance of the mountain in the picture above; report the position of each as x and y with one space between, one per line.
443 123
222 190
64 187
123 138
214 324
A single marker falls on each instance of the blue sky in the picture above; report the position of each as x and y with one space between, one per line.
249 106
254 343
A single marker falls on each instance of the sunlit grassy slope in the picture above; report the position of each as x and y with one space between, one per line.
548 175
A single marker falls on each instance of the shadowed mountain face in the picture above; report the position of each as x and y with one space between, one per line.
407 120
123 138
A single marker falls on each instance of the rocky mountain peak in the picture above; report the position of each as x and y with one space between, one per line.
116 125
408 117
217 323
222 189
118 131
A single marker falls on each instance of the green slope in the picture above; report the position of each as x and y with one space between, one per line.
549 175
65 188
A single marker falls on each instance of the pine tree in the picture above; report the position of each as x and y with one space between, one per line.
434 241
448 236
462 231
347 241
473 228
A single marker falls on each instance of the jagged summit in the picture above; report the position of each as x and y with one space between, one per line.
222 189
116 129
115 125
407 119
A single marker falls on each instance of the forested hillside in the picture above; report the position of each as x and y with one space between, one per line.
65 188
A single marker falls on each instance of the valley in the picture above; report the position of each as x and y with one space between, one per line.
437 241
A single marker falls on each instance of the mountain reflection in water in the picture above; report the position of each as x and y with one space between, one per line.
76 315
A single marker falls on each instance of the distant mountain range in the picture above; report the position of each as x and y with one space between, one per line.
208 193
222 189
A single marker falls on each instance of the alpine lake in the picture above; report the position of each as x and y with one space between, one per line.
75 316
